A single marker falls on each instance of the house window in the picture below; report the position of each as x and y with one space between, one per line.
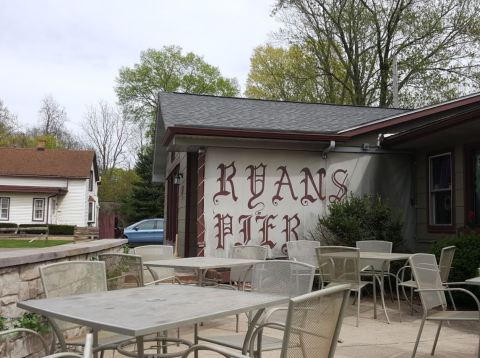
38 209
90 181
4 208
91 212
440 190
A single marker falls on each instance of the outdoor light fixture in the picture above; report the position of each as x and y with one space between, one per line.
177 179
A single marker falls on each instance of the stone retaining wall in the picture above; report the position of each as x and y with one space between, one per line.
20 277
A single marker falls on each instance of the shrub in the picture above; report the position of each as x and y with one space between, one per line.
52 229
465 262
359 218
3 323
32 321
8 225
61 229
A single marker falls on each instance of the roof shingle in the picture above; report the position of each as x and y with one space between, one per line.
46 163
187 110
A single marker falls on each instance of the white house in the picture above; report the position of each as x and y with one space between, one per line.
48 186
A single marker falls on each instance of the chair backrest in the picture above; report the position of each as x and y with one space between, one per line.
339 264
445 264
374 246
70 278
303 251
427 276
123 270
152 253
282 277
313 323
254 252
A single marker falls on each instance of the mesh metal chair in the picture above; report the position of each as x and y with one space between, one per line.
432 294
73 278
87 350
446 259
340 265
153 275
304 251
282 277
242 275
9 335
123 270
311 329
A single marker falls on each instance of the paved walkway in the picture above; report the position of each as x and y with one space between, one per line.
374 338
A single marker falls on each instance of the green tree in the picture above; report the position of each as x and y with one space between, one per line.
145 199
435 44
8 120
137 88
116 184
289 74
168 70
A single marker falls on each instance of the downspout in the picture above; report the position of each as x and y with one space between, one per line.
48 205
328 149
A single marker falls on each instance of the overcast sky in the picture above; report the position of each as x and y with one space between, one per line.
74 49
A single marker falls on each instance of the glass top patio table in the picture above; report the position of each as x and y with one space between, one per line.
141 311
201 264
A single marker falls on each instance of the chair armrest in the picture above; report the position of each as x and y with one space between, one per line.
64 354
458 289
227 353
271 311
163 279
29 331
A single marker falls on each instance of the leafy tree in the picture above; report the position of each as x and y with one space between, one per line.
145 199
283 74
168 70
116 184
137 88
435 44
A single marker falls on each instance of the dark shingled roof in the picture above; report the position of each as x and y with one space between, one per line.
187 110
58 163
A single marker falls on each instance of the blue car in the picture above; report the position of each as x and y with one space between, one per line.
148 231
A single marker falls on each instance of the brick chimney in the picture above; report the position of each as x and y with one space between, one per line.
41 144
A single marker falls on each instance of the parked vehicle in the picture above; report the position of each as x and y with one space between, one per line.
148 231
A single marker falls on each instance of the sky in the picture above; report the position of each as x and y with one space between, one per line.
74 49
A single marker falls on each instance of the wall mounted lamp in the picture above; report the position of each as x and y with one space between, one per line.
177 179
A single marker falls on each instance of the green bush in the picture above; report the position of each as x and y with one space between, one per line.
8 225
61 229
52 229
32 321
3 323
465 262
359 218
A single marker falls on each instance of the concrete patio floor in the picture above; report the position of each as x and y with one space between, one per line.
374 338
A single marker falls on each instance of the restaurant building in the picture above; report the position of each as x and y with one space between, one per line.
259 172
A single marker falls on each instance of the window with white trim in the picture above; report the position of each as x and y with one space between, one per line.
38 209
4 208
91 212
440 189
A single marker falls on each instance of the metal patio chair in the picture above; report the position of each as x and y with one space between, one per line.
445 265
70 278
87 350
243 275
154 275
432 294
304 251
282 277
341 265
311 330
123 270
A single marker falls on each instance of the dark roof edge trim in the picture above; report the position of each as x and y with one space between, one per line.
235 133
441 124
409 116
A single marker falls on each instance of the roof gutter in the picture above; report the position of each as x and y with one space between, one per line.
259 134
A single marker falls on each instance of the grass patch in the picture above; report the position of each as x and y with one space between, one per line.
5 243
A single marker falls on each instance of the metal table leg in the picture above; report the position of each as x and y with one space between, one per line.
140 348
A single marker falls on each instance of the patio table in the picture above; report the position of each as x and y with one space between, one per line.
201 264
473 281
386 258
138 312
